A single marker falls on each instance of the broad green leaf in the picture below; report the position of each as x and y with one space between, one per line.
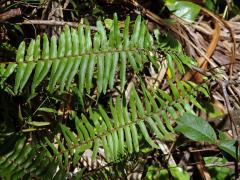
229 146
155 172
36 78
180 66
183 9
216 172
210 4
196 128
178 173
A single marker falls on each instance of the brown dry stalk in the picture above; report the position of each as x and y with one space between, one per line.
220 20
201 166
202 63
54 23
9 14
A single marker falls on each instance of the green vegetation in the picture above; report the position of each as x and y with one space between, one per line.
105 101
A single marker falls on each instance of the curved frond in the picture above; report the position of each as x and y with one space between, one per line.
118 130
78 58
76 53
97 62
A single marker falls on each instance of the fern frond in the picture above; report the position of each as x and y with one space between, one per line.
120 129
78 58
26 160
76 52
117 132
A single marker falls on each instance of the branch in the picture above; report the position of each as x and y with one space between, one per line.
224 85
54 23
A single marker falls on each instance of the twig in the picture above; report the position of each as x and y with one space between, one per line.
201 166
204 150
227 164
54 23
221 165
224 85
166 151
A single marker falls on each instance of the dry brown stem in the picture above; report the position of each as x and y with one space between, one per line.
9 14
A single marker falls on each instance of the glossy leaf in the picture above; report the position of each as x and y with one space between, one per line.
196 128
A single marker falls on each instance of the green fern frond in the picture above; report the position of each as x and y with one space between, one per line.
77 58
75 52
120 129
80 58
26 160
